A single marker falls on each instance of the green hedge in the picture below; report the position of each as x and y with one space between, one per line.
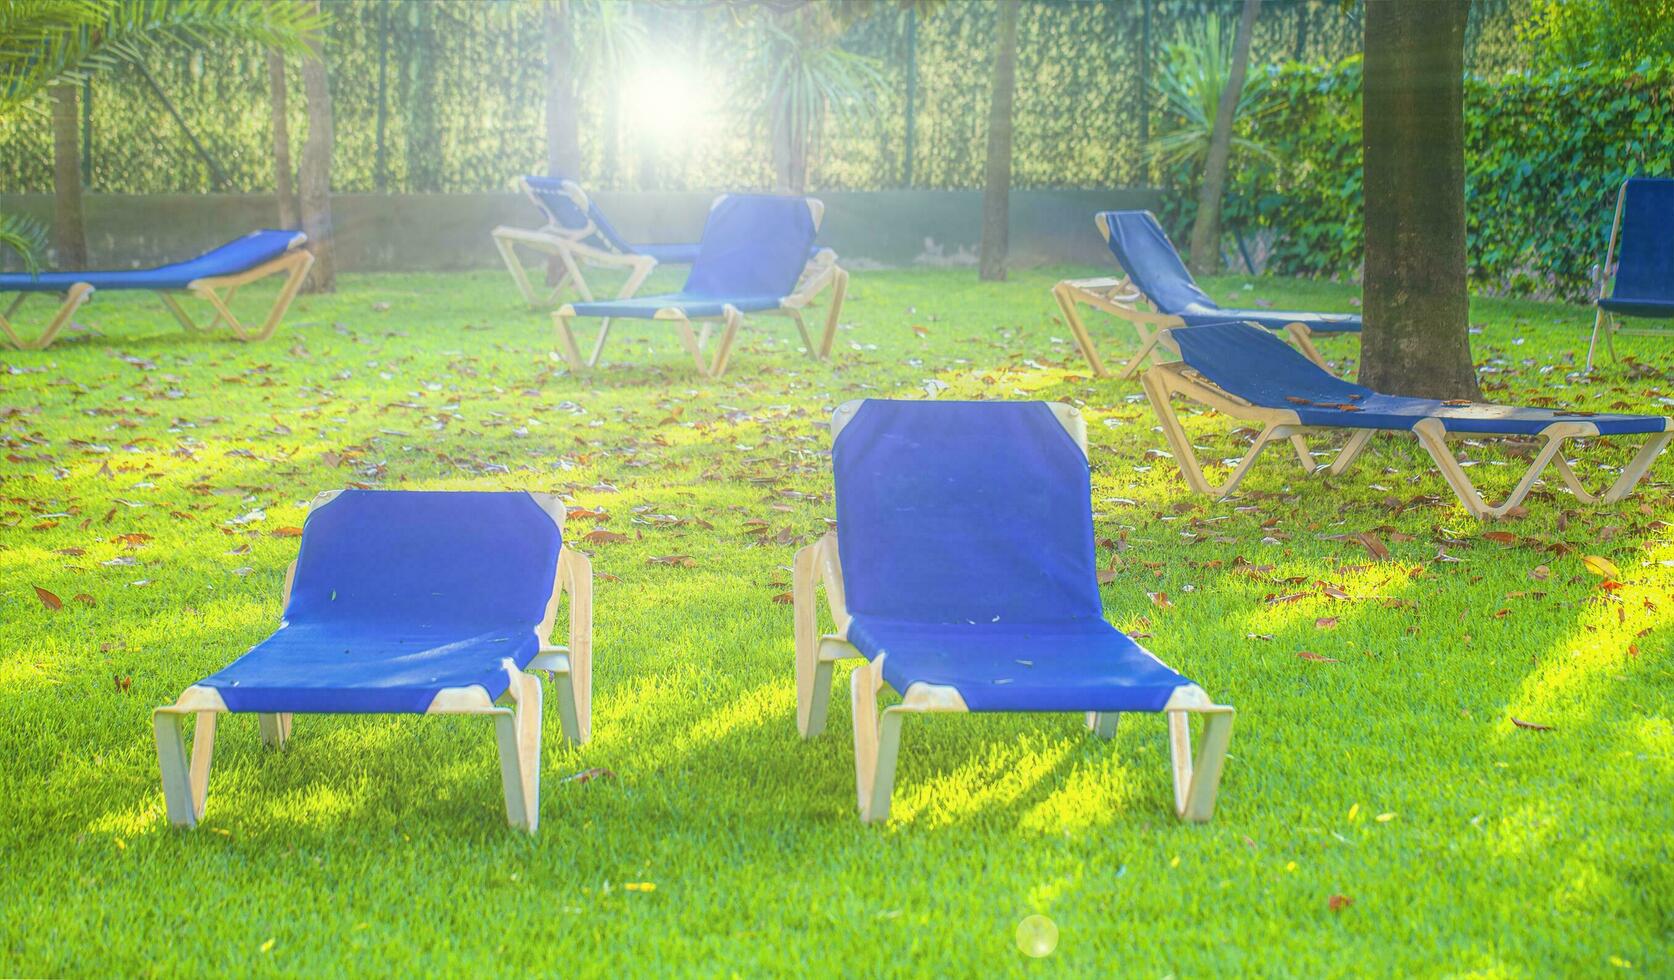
1544 157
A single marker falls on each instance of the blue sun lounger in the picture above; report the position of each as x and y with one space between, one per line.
962 574
1249 374
1642 272
1155 275
244 260
578 234
757 255
433 603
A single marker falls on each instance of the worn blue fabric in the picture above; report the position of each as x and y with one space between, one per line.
965 532
399 594
693 306
1264 370
1152 263
235 256
561 210
753 251
1645 257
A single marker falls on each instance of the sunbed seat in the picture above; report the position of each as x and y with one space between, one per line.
1086 665
235 256
644 307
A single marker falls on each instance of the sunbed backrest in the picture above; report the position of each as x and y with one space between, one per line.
753 245
426 558
1258 367
964 512
1151 261
1645 268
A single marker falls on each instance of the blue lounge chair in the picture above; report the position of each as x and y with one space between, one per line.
754 258
962 573
578 234
244 260
409 603
1155 275
1643 269
1248 374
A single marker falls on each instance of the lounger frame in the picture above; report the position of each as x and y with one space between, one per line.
294 265
1121 298
516 715
1163 381
574 248
877 734
821 271
1606 323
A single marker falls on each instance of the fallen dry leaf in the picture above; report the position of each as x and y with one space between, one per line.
1316 658
588 775
1531 726
48 599
1601 566
1340 902
682 561
286 532
601 536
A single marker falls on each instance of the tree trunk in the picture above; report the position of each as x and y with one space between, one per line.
563 142
1206 229
69 235
1417 336
316 172
996 192
284 191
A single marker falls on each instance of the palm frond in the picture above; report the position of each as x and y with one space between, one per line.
63 41
25 237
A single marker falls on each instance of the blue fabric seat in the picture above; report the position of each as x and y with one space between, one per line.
1153 265
966 538
1263 370
1247 373
401 594
962 574
752 258
409 602
238 255
1642 246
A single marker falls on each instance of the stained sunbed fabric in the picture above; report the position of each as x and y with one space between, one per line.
234 257
1263 370
966 539
1645 263
1153 264
561 210
398 595
754 247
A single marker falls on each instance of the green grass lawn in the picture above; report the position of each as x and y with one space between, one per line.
148 476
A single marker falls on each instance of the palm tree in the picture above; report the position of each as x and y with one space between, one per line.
316 171
1206 229
283 189
1417 337
996 194
69 234
48 45
805 79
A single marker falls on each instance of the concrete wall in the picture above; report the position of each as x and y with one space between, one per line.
382 232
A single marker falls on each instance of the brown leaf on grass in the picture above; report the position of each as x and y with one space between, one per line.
584 514
48 599
784 598
84 599
1500 537
601 536
680 561
72 552
1540 573
1326 622
1601 566
1340 902
133 540
286 532
123 682
1531 726
588 775
1309 655
921 330
1375 547
1160 600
